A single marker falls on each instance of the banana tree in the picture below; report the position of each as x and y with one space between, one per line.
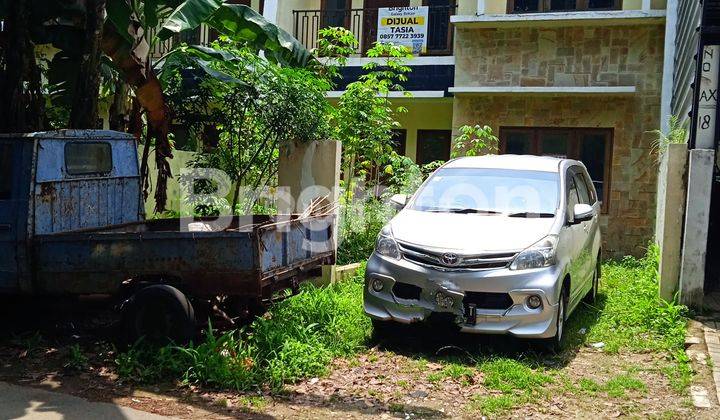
124 38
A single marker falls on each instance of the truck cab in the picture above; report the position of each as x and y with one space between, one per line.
61 181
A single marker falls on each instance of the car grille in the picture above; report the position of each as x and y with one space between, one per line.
435 259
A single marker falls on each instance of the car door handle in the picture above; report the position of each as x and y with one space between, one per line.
4 228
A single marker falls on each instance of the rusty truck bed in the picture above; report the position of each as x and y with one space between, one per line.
245 256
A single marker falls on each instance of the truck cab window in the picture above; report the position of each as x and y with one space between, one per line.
6 171
88 158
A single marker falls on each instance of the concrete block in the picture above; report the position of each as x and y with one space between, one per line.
697 219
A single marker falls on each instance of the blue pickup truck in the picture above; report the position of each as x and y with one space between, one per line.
72 223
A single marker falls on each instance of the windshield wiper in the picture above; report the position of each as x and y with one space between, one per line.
531 214
468 210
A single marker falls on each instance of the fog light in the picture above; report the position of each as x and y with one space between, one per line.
444 301
377 285
534 301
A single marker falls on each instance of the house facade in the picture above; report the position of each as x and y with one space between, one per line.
574 78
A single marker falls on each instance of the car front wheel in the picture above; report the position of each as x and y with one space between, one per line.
554 343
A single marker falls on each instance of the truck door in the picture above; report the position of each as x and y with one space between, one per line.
9 156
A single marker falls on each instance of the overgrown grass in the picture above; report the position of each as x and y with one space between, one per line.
635 318
297 339
300 336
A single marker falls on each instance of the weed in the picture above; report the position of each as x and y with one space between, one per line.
396 407
493 404
304 334
617 386
76 359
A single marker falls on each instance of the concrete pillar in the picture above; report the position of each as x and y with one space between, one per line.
697 218
309 171
670 211
270 11
480 7
668 63
646 5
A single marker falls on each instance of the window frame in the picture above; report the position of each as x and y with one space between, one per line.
83 174
574 145
580 6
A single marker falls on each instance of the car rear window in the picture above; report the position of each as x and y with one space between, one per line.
88 158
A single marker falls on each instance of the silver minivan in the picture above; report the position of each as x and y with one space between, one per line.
503 244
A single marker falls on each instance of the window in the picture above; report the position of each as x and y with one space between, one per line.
582 189
535 6
336 13
592 146
88 158
572 197
433 145
399 140
6 171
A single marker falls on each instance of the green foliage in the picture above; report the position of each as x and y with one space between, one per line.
473 141
677 133
335 44
76 359
296 339
360 223
253 107
364 117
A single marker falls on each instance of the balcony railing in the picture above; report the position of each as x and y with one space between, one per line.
202 35
363 24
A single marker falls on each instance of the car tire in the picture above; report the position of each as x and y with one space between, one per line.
591 295
159 314
554 344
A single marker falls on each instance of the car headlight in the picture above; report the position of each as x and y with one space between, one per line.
386 245
540 254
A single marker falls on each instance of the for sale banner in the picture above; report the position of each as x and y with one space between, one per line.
404 26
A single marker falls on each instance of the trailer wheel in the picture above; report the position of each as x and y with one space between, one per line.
160 314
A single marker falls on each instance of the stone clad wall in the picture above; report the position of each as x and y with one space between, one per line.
605 56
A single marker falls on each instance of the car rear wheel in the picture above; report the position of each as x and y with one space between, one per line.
159 314
591 295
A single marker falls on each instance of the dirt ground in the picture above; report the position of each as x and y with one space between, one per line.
407 376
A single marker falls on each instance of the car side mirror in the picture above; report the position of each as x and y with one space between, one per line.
398 200
582 212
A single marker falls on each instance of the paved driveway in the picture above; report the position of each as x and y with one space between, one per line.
18 402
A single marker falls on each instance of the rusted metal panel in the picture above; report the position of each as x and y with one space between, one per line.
65 202
292 242
201 263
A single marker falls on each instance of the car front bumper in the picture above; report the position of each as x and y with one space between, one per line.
516 319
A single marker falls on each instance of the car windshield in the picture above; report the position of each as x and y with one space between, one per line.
515 193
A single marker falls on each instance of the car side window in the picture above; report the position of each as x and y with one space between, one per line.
572 197
585 178
582 190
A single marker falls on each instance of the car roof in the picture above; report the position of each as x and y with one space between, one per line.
517 162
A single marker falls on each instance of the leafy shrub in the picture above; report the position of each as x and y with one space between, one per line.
298 338
360 224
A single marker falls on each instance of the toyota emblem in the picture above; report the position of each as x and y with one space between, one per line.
450 259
